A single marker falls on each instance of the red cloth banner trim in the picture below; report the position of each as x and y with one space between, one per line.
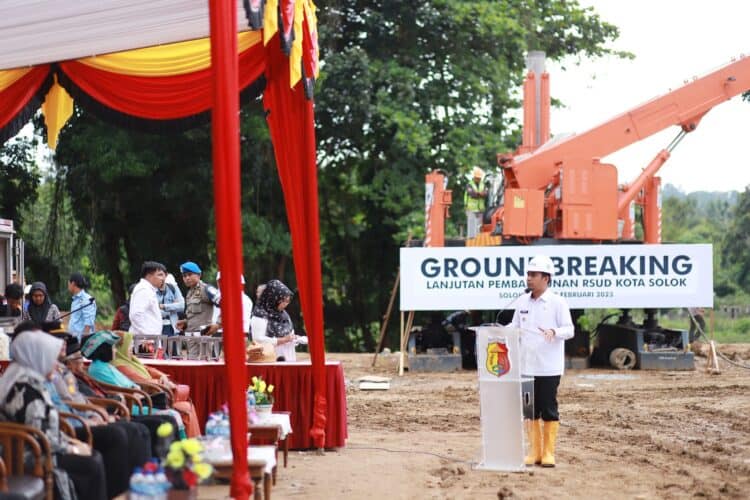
158 98
286 25
19 102
291 122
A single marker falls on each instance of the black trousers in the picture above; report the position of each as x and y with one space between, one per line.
87 474
152 422
112 443
545 398
139 442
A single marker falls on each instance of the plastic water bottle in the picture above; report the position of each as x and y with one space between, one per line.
250 399
137 486
224 428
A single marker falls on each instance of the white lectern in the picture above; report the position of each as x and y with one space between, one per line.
503 396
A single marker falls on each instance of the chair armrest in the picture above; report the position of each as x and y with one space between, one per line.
39 444
71 432
154 387
3 477
89 407
120 410
132 393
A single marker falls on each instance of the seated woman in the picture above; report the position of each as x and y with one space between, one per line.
100 349
41 310
270 322
131 367
25 400
90 388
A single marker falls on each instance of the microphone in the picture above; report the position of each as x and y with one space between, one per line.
507 306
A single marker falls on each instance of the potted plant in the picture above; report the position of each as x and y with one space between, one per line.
183 466
263 396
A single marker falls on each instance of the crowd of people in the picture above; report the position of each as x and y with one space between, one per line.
56 373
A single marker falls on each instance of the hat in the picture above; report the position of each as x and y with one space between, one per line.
242 277
93 342
190 267
542 264
72 349
477 172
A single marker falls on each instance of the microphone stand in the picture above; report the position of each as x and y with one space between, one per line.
91 301
507 306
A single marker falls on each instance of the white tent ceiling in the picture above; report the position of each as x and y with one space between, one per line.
43 31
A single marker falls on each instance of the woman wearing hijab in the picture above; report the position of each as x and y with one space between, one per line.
24 399
100 349
41 310
130 366
271 323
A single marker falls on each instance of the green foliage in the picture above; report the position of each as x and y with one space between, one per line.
19 178
407 87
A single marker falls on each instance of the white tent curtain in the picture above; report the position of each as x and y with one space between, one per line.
44 31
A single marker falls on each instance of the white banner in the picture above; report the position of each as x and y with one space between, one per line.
587 276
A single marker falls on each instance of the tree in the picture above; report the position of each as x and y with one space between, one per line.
19 177
735 255
407 87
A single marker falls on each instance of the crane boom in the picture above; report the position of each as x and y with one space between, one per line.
684 106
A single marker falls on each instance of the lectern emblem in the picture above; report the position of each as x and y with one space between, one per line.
498 363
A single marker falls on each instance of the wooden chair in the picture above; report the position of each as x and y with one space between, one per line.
15 439
137 397
68 429
120 411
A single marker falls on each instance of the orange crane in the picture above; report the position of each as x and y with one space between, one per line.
561 189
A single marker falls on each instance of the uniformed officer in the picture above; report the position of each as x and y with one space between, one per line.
200 301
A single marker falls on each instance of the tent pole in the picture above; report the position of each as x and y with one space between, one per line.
226 167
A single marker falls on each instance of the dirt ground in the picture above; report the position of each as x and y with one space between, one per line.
632 434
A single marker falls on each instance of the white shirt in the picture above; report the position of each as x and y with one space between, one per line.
145 315
539 357
247 311
258 327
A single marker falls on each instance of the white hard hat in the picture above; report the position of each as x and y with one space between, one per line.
477 172
541 264
242 277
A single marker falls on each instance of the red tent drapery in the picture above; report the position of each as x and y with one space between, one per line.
152 102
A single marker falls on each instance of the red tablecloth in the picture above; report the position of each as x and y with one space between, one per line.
293 392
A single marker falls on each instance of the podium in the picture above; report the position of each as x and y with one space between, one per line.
506 398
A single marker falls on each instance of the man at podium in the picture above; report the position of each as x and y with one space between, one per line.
545 323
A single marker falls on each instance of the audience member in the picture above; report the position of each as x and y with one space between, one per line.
121 320
13 307
200 301
82 307
145 313
272 324
171 303
25 399
247 307
40 309
131 367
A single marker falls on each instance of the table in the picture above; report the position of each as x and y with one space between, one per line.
294 393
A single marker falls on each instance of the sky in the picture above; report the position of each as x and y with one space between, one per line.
672 41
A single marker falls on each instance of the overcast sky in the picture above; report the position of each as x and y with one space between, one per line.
672 41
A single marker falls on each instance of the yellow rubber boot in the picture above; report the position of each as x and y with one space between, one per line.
550 436
534 431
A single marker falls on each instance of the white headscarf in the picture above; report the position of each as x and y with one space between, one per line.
34 354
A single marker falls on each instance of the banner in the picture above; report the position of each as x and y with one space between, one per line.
587 276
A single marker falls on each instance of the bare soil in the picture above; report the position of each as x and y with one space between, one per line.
644 435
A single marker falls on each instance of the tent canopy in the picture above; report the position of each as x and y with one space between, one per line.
47 57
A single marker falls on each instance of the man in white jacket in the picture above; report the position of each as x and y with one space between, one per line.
545 323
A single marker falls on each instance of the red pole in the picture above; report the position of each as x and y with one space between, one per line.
225 130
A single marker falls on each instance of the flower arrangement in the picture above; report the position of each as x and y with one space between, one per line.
183 464
263 393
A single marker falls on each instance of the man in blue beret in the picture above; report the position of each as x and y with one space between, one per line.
200 301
